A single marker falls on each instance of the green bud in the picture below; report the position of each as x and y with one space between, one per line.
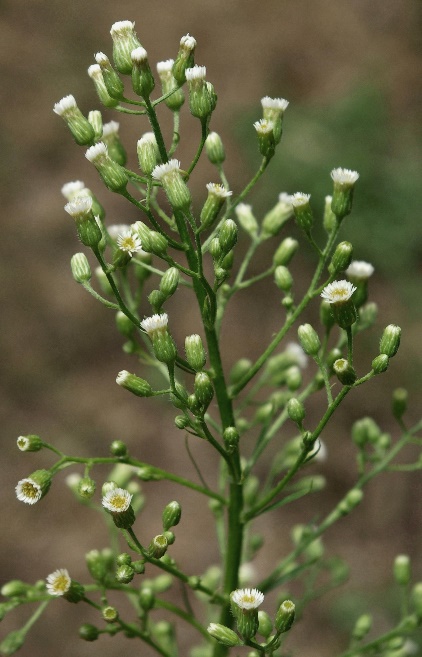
184 58
296 411
111 139
170 536
204 390
380 363
12 642
246 219
365 431
124 325
81 271
352 499
228 236
178 194
118 448
15 589
266 140
181 422
103 281
342 257
81 129
96 120
124 42
368 314
325 315
344 181
97 565
86 488
362 627
89 632
164 347
29 443
158 546
89 232
169 84
330 219
112 174
156 298
95 72
124 559
215 248
202 99
171 515
239 369
146 598
275 219
214 149
390 340
283 278
125 574
158 243
148 153
417 599
216 198
285 251
285 616
231 438
138 566
303 211
142 79
344 372
143 233
399 402
402 572
265 626
224 635
195 352
293 378
309 339
169 282
134 384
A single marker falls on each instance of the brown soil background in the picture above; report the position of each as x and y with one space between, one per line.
60 352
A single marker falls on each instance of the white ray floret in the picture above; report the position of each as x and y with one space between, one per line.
360 269
139 55
94 71
188 42
72 189
64 105
110 128
155 323
128 242
218 190
344 176
263 126
122 377
338 291
117 500
121 27
162 170
28 491
102 59
117 229
97 151
165 67
79 206
299 198
59 582
247 598
196 73
279 104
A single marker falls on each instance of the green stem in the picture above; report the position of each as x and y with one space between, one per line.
122 305
156 129
163 604
204 134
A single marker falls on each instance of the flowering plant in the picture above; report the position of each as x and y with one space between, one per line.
182 247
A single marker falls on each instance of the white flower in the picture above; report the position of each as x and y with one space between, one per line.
97 151
102 59
110 128
72 189
65 105
122 377
162 170
359 269
147 138
218 190
344 176
79 206
121 28
294 350
23 443
188 42
263 126
155 323
299 198
196 73
117 500
279 104
28 491
247 598
94 71
58 583
165 67
338 291
243 209
129 243
117 229
138 55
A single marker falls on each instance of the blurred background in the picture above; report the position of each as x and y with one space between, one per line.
352 72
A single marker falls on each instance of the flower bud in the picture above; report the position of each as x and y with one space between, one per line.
285 251
178 194
110 614
303 211
195 352
169 282
309 339
118 448
283 278
380 363
146 598
417 599
352 499
342 258
402 572
112 174
112 81
169 84
164 348
184 59
81 271
228 235
344 372
124 42
265 626
362 627
97 565
142 79
273 110
344 183
29 443
231 438
224 635
285 616
14 589
329 219
34 488
89 632
148 153
399 402
201 94
246 219
96 120
296 411
81 129
86 488
158 546
217 195
134 384
275 219
204 390
87 227
214 149
171 515
390 340
111 139
239 369
12 642
266 140
95 72
125 574
325 315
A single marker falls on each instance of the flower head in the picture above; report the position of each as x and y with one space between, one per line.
263 126
155 323
79 206
121 28
163 170
299 198
102 59
279 104
344 176
196 73
96 152
218 190
188 42
59 582
360 269
139 55
164 69
338 291
94 71
117 500
128 242
247 598
28 491
117 229
65 105
72 189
